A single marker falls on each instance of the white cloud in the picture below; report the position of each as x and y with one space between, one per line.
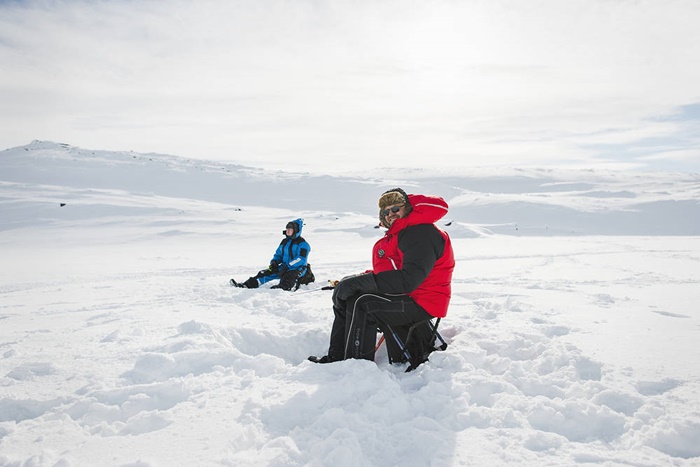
683 155
362 82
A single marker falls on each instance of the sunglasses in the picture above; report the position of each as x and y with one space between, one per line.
393 210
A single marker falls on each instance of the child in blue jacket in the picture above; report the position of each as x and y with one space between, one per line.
288 264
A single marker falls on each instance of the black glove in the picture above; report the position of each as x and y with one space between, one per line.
274 266
353 285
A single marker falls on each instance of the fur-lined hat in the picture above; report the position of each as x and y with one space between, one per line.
391 198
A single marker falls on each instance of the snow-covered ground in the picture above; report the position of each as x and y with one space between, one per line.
573 330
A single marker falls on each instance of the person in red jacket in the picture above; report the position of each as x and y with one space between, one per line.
410 280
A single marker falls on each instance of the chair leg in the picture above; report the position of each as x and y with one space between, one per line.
436 334
403 345
433 336
400 343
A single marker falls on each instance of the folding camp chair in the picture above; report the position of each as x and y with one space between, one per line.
403 352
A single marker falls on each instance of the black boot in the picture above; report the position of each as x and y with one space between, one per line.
251 283
324 359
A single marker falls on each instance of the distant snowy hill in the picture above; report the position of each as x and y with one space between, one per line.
519 202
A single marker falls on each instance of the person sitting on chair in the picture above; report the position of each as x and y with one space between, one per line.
410 280
288 264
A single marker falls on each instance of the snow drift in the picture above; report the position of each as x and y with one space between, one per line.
572 331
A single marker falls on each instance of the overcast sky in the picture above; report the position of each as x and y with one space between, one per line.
372 83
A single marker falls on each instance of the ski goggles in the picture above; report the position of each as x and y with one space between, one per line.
393 210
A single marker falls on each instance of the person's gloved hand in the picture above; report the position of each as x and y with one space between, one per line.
274 266
353 285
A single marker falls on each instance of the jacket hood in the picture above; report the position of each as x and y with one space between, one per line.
427 209
297 230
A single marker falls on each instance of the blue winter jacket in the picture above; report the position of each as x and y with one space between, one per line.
293 252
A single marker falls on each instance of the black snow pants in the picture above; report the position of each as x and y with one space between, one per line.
354 331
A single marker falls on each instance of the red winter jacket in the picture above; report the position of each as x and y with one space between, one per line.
415 257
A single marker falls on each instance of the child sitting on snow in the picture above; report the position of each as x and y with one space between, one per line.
289 263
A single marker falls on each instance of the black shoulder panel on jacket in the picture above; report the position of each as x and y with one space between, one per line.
421 246
422 237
